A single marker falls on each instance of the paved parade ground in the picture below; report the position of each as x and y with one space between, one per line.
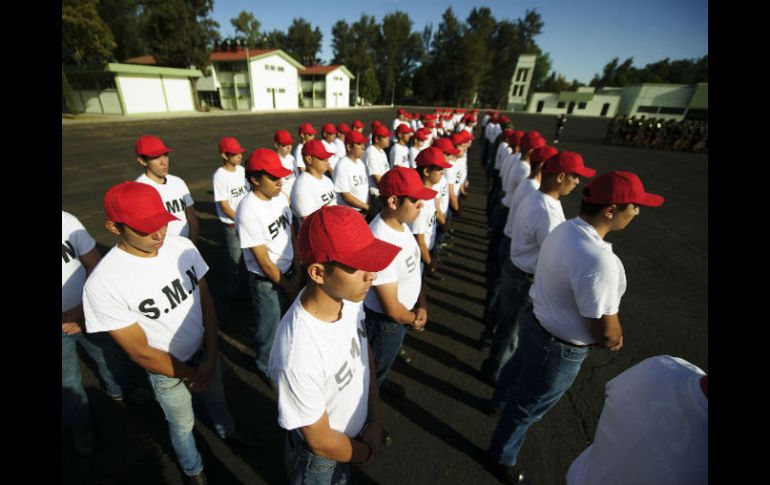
439 432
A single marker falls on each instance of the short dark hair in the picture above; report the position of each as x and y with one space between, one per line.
590 209
255 174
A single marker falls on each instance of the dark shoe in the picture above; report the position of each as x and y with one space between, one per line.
199 479
386 438
490 409
484 344
507 474
245 440
392 389
403 355
85 440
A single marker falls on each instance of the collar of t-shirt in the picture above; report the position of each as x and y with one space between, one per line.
591 232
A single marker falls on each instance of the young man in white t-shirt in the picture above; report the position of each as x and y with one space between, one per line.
79 258
306 133
376 161
329 138
399 153
230 187
282 141
150 293
397 301
322 362
264 222
430 166
419 143
535 218
312 189
342 131
358 126
350 180
152 155
579 283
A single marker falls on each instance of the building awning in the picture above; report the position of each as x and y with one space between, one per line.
700 97
137 69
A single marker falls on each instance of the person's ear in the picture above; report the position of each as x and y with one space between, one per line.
316 273
112 227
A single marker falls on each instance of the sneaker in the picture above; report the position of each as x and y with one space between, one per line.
135 395
512 475
85 440
392 389
246 440
199 479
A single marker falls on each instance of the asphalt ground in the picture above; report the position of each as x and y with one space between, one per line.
439 433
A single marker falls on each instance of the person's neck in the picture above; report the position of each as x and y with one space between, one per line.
389 218
428 183
598 223
260 195
139 253
229 167
320 304
155 178
315 172
551 190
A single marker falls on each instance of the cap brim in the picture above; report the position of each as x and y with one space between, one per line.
159 152
152 223
651 200
423 193
279 172
372 258
586 172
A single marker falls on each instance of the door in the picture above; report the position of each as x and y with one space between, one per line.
540 105
605 108
571 107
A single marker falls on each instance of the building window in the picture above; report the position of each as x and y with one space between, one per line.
647 109
269 90
521 75
668 110
281 90
581 105
280 68
231 66
243 92
561 104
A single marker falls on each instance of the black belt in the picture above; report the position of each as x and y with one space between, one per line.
287 274
373 314
554 336
228 225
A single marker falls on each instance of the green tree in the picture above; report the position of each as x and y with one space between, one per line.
246 25
303 42
444 60
398 51
368 85
86 39
543 65
475 56
123 19
354 47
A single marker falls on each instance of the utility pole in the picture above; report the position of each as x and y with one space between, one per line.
355 102
393 92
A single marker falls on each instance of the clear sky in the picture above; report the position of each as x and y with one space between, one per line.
580 35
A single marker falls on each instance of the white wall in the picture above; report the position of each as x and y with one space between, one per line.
593 107
341 86
285 80
141 94
179 94
208 83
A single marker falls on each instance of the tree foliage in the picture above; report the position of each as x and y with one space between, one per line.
86 39
398 50
248 27
684 71
179 32
124 19
303 42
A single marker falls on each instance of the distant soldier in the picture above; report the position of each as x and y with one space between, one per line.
560 122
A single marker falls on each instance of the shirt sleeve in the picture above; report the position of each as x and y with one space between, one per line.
301 400
220 187
250 230
187 197
342 178
105 310
81 240
388 275
597 293
420 224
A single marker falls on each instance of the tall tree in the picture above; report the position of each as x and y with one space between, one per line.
86 39
303 42
354 46
248 27
398 51
444 60
475 56
123 19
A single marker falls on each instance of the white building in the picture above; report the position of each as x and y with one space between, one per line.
521 81
132 89
668 101
325 86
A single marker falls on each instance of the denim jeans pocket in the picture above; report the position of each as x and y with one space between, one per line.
389 327
163 383
319 464
574 354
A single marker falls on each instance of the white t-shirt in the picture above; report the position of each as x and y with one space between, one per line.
403 270
413 152
503 150
491 131
653 428
451 175
75 242
462 172
298 157
578 277
425 223
376 162
229 186
288 181
332 148
176 197
341 150
442 187
506 164
526 187
309 194
535 218
518 172
399 156
320 366
161 294
265 222
350 176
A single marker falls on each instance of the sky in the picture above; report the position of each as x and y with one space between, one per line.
581 36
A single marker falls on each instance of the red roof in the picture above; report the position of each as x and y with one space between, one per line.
318 70
238 55
144 60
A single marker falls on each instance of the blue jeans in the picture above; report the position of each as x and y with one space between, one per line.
232 262
531 383
305 468
110 363
176 401
385 337
268 303
492 304
512 299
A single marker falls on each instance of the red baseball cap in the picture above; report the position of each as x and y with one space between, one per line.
306 129
432 156
358 124
283 137
150 146
137 205
329 128
422 134
339 233
404 181
542 154
401 111
403 128
504 119
267 160
228 144
355 137
315 148
568 162
619 188
459 138
532 141
380 130
446 146
343 128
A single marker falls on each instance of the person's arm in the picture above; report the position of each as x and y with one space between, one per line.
421 311
377 178
133 341
440 216
453 202
372 432
424 253
225 206
328 443
388 295
353 201
273 272
608 332
73 320
192 222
